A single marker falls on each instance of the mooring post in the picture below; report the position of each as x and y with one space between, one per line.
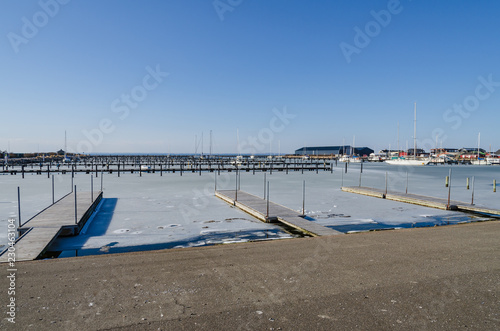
473 180
346 167
467 183
76 215
494 185
448 182
19 205
102 173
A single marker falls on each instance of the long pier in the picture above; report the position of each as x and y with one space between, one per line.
58 219
165 164
422 200
258 208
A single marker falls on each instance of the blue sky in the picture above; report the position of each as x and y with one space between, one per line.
150 76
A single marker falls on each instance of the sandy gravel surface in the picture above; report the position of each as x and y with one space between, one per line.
414 279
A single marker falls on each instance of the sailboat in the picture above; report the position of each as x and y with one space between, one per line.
407 161
479 160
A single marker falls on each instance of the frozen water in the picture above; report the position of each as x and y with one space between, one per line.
154 212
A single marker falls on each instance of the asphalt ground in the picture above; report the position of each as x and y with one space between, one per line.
439 278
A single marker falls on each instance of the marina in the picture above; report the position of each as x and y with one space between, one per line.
147 210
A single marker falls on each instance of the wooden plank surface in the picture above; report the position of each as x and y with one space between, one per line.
258 207
421 200
49 223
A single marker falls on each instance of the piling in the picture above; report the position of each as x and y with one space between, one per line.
76 214
19 205
53 200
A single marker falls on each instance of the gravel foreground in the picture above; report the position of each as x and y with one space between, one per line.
414 279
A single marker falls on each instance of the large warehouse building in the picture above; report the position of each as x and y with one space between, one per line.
334 150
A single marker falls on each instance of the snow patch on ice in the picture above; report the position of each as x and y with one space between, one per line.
120 231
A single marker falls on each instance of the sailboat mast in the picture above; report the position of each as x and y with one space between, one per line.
210 142
399 154
65 145
478 144
415 134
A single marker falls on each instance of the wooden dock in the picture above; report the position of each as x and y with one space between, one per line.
58 219
257 207
422 200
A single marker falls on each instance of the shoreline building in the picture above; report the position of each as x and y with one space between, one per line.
334 150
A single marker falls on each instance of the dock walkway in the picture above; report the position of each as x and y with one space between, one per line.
422 200
257 207
41 230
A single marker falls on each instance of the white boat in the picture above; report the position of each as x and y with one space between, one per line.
493 160
407 162
410 161
481 161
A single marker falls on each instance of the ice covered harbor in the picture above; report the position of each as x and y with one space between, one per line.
147 211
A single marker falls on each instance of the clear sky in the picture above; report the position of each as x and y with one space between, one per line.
153 76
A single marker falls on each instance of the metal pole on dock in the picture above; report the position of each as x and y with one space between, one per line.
91 188
19 205
236 190
53 189
239 180
406 182
494 185
473 180
467 183
215 179
448 182
76 217
360 172
72 184
303 198
342 185
267 213
101 178
264 185
386 183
